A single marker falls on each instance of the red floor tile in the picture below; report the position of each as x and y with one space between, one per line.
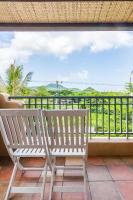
126 189
73 161
73 196
113 161
98 173
5 161
30 176
5 173
26 196
128 160
96 161
33 162
7 168
104 190
58 176
21 197
3 188
35 197
121 172
60 161
73 175
55 195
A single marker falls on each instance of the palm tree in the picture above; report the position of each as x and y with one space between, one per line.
2 84
16 83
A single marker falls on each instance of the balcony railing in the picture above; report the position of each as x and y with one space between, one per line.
109 116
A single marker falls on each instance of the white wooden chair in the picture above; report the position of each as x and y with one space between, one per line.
23 134
67 136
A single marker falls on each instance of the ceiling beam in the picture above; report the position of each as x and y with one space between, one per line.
66 26
64 1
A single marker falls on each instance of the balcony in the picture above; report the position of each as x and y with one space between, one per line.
110 118
110 178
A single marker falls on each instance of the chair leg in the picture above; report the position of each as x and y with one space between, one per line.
13 178
52 180
44 181
85 180
20 166
11 181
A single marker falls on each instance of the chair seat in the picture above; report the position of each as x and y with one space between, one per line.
32 152
68 152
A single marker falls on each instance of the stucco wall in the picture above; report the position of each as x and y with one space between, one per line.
112 147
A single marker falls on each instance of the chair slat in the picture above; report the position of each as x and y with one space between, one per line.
77 130
22 129
82 130
66 130
28 130
61 129
56 132
50 129
12 130
87 130
38 130
18 132
4 119
34 135
46 131
72 130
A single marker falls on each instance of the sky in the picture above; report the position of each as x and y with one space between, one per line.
102 60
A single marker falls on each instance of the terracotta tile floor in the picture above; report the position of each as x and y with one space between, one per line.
108 178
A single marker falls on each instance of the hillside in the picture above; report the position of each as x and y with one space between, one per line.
53 86
89 89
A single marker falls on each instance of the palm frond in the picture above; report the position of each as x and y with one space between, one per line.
27 79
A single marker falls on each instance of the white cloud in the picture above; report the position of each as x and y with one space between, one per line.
61 44
82 75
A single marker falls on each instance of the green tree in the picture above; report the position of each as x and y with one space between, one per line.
16 82
129 88
66 92
41 91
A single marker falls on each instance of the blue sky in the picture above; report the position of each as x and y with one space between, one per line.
84 57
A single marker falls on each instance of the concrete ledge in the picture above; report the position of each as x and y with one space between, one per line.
112 147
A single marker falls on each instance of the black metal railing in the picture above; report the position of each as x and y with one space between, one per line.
110 116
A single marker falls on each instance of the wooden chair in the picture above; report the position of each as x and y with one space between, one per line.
67 136
23 134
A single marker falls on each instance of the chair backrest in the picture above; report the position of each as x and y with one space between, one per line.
66 128
22 128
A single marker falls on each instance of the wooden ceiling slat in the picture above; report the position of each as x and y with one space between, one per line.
69 12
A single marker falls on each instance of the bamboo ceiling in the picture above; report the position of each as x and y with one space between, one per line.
66 11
